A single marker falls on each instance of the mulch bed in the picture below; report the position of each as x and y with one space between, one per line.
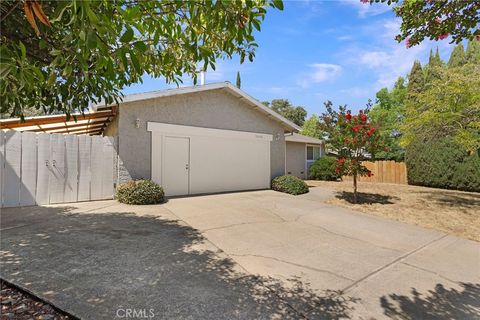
17 304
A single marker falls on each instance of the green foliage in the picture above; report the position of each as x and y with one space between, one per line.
416 81
442 163
387 115
435 19
354 138
311 128
432 69
285 108
450 106
458 57
93 49
239 80
324 169
140 192
289 184
473 52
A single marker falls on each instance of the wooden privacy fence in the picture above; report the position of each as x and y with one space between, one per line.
52 168
384 171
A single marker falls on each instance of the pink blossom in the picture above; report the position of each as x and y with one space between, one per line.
364 1
442 36
408 43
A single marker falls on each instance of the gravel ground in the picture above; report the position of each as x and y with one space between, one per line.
19 306
451 211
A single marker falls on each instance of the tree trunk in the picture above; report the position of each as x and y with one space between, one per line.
355 188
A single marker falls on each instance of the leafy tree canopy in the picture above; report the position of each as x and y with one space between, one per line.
458 57
450 106
296 114
387 115
63 55
435 19
311 128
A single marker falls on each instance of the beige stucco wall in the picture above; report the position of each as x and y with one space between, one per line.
295 159
112 128
209 109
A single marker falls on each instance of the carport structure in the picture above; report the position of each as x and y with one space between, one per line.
57 159
91 123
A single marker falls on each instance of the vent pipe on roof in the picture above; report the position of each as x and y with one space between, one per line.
202 78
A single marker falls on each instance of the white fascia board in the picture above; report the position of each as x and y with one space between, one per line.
263 108
180 130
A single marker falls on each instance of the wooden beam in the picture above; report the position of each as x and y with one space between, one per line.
74 125
16 123
96 127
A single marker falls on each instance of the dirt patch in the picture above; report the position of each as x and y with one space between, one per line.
454 212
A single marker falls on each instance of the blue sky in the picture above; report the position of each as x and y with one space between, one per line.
312 51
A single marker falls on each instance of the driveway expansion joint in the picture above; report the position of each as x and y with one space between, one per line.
397 260
345 236
429 271
293 264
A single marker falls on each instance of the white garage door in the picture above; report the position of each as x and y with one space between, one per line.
193 160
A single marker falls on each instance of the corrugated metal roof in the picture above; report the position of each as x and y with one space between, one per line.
296 137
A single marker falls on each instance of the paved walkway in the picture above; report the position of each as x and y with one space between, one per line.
198 258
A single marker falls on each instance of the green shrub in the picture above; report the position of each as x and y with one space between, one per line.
324 169
442 163
140 192
289 184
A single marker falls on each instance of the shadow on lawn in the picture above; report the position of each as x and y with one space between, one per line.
440 303
453 199
365 198
92 264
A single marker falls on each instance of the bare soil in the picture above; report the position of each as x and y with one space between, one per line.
454 212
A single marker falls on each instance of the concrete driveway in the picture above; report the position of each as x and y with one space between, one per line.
242 255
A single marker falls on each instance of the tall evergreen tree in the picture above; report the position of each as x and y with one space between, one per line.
473 51
435 60
457 58
416 81
433 68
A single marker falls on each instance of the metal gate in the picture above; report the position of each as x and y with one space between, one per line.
44 168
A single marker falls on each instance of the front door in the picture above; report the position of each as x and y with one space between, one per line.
176 166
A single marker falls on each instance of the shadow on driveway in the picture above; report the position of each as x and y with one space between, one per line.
439 303
94 264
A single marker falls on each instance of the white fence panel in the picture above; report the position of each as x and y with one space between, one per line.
13 144
107 176
84 146
96 168
29 169
48 168
71 168
57 176
43 169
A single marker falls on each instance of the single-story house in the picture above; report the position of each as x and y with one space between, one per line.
301 153
191 140
206 139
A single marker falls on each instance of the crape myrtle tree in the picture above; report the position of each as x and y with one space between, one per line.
354 138
64 55
435 19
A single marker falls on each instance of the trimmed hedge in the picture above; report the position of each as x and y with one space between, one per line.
140 192
289 184
442 163
324 169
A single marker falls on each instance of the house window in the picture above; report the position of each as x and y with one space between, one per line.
313 153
